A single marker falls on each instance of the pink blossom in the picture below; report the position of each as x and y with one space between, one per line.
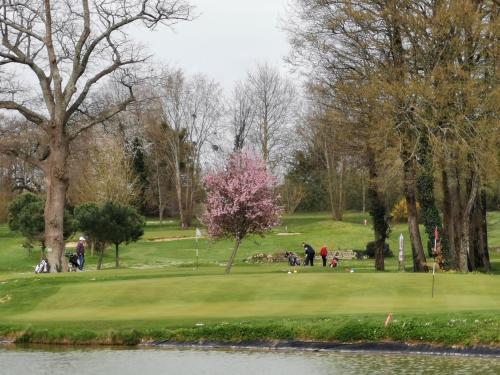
241 199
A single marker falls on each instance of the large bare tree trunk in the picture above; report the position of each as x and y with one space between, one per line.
479 257
483 251
56 180
464 249
454 211
419 262
448 219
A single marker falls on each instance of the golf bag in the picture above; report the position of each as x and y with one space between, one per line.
293 260
42 267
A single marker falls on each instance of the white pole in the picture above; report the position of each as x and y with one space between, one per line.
401 253
433 273
197 235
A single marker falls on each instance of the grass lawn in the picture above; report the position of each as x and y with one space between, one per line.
166 245
158 304
158 294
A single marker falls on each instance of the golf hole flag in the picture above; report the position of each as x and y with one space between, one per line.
436 239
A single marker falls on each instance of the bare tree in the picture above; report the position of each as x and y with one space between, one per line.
203 111
66 47
191 110
242 114
274 99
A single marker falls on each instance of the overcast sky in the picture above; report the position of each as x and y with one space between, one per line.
226 40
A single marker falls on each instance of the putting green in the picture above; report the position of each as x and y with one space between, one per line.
182 299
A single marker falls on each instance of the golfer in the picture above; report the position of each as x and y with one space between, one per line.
324 253
309 251
80 252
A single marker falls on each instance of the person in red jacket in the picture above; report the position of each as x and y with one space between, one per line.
324 253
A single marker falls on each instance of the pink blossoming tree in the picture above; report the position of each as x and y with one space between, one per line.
241 200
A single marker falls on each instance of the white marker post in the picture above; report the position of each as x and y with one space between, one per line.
197 235
401 253
433 273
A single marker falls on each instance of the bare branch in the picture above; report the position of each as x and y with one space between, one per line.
21 29
162 12
26 112
15 150
105 115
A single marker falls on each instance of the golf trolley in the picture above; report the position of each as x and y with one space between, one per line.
73 263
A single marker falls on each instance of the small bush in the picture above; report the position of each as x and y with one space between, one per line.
129 338
399 212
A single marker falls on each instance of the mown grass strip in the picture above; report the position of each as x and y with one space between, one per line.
464 330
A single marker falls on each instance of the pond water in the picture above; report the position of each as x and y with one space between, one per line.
35 361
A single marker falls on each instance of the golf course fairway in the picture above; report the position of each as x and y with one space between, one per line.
148 301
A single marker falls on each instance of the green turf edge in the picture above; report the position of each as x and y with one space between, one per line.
447 330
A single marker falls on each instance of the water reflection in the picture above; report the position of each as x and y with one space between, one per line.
36 361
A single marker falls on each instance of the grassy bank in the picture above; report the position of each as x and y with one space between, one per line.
454 330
